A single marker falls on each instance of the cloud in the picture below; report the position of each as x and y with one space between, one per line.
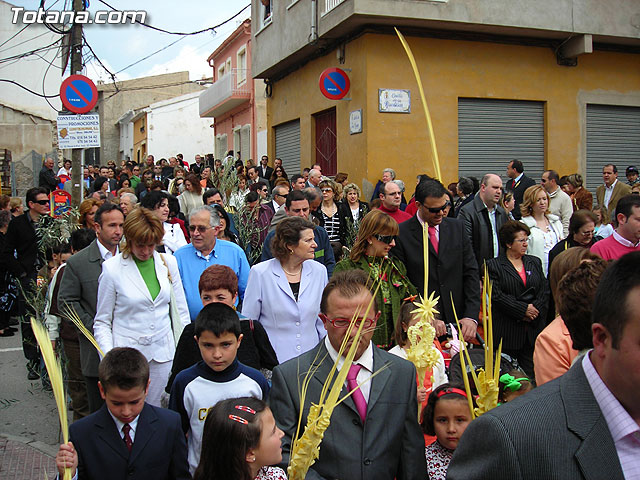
190 59
95 72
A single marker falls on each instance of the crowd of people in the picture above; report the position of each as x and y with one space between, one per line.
213 288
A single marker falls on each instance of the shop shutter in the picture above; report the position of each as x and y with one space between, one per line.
613 136
491 133
288 146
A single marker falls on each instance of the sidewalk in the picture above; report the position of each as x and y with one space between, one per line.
25 459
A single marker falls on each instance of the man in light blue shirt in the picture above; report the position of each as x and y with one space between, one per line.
205 250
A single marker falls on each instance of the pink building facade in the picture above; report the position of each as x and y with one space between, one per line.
239 118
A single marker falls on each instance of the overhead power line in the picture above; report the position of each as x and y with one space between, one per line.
197 32
28 89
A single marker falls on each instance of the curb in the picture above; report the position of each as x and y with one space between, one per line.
46 449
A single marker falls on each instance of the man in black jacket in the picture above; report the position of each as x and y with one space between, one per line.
483 217
21 256
47 179
517 184
453 270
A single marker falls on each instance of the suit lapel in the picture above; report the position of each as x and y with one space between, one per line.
305 278
281 279
510 269
107 432
379 382
145 430
132 273
597 456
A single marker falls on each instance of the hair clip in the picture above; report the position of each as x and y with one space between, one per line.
512 384
245 409
238 419
410 298
448 391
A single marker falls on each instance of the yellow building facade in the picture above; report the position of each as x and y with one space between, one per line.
450 70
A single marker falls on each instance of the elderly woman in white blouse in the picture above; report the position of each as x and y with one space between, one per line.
546 228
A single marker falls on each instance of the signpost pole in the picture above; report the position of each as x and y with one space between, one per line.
76 67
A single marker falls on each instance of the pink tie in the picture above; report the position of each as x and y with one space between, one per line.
358 397
433 238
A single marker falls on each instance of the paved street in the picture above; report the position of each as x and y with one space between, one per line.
29 427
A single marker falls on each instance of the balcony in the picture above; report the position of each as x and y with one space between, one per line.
330 5
231 90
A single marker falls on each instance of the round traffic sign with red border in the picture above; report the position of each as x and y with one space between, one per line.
78 94
334 83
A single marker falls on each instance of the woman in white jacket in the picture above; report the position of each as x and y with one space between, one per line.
134 294
546 228
158 203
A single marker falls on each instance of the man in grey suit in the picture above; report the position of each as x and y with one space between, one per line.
79 289
583 425
374 433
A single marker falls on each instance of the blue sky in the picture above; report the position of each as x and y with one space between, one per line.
119 46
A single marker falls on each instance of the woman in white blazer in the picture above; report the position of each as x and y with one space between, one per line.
546 228
284 293
134 293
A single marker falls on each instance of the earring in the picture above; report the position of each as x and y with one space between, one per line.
290 252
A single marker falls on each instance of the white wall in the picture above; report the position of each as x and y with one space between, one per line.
28 71
174 126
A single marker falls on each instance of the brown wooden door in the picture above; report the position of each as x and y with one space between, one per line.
326 141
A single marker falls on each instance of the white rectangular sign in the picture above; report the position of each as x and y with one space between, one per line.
394 101
79 131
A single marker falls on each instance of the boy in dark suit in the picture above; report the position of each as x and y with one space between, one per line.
116 441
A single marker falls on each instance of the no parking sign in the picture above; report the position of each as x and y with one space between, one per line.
78 94
334 83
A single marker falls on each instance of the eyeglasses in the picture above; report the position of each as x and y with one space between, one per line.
279 195
587 234
345 322
327 190
41 202
435 210
200 228
386 238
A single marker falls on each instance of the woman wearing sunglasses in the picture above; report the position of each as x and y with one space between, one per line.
370 253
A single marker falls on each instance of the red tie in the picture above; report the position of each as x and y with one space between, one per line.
358 397
433 237
127 439
513 183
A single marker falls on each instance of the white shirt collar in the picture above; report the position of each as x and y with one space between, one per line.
366 359
104 253
612 185
133 424
517 179
623 241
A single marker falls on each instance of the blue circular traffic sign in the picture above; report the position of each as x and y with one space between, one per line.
334 83
78 94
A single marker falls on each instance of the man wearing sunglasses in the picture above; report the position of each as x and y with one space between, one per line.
373 433
453 270
21 256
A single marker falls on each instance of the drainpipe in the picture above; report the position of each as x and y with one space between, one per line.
313 37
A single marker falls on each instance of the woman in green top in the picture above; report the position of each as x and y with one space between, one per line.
134 294
370 252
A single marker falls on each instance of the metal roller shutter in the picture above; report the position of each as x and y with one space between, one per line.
491 133
288 146
613 136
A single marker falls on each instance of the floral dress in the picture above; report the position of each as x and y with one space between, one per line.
438 459
394 288
271 473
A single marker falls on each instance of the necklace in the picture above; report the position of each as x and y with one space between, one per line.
292 274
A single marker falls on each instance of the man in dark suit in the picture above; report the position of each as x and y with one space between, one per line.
483 217
373 433
22 257
264 170
453 269
79 288
126 438
197 166
517 184
582 425
47 179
